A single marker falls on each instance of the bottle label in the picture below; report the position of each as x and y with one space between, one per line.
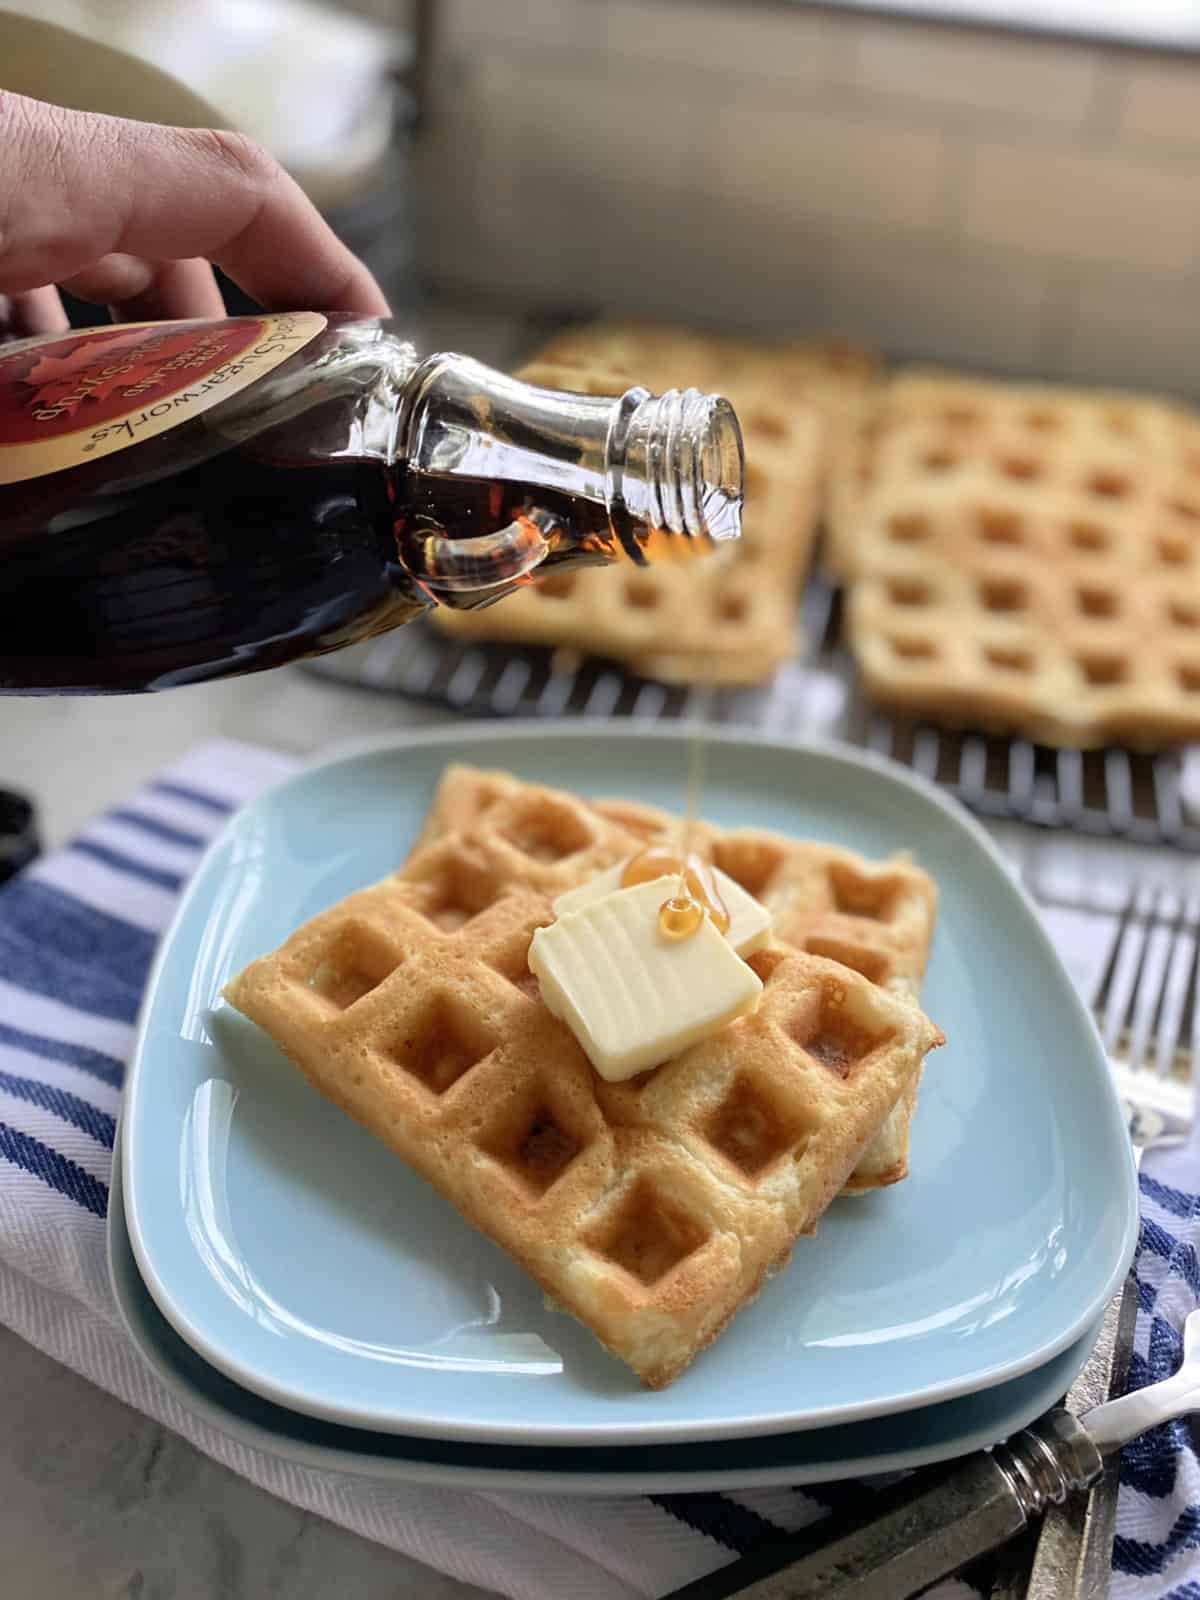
74 397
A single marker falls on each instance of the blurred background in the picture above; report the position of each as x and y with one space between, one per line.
1004 184
992 197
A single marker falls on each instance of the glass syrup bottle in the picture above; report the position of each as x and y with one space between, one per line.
187 501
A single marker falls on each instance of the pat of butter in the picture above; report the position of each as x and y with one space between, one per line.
632 998
749 923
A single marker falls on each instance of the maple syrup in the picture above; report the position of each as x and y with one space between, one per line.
680 916
186 501
696 887
696 892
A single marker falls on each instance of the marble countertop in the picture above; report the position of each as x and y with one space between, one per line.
98 1502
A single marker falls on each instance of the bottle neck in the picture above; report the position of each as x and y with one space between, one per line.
679 468
658 473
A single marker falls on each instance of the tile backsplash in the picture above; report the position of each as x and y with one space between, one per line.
1019 204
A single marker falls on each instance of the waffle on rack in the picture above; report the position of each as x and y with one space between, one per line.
1025 558
731 621
653 1209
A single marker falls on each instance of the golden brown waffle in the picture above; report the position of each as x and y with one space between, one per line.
730 621
828 374
651 1210
876 918
1027 558
973 416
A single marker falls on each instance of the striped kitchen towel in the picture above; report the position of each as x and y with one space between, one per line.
77 931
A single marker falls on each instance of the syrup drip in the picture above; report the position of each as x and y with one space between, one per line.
696 891
696 894
679 917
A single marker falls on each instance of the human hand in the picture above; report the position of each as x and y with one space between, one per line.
130 214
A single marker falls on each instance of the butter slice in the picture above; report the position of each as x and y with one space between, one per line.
632 998
749 923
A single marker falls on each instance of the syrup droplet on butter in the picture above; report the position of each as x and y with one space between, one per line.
698 892
679 917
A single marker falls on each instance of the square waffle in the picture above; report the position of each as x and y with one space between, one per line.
876 918
1026 558
652 1209
727 622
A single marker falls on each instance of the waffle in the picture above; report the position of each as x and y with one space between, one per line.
1026 559
876 919
728 621
651 1210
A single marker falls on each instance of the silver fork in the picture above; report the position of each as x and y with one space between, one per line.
1144 997
1134 954
1146 1004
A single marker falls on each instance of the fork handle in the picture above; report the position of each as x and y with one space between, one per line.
920 1530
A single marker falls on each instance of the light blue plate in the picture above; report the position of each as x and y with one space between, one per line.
819 1455
306 1263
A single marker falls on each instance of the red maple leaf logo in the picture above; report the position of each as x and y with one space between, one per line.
57 379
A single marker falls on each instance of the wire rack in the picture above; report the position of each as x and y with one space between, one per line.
1110 793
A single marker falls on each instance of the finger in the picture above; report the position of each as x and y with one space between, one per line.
178 289
38 311
79 187
110 280
137 290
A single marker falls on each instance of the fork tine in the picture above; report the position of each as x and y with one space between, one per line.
1190 1027
1130 958
1103 993
1149 995
1170 1024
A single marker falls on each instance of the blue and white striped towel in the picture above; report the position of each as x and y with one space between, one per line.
76 935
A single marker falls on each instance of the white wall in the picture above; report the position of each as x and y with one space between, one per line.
1019 204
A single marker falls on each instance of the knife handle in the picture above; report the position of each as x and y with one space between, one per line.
921 1529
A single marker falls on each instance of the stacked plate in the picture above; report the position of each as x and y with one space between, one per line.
297 1286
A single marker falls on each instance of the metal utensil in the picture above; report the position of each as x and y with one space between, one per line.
1147 1008
1072 1559
932 1524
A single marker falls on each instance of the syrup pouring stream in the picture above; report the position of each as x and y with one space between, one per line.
696 890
